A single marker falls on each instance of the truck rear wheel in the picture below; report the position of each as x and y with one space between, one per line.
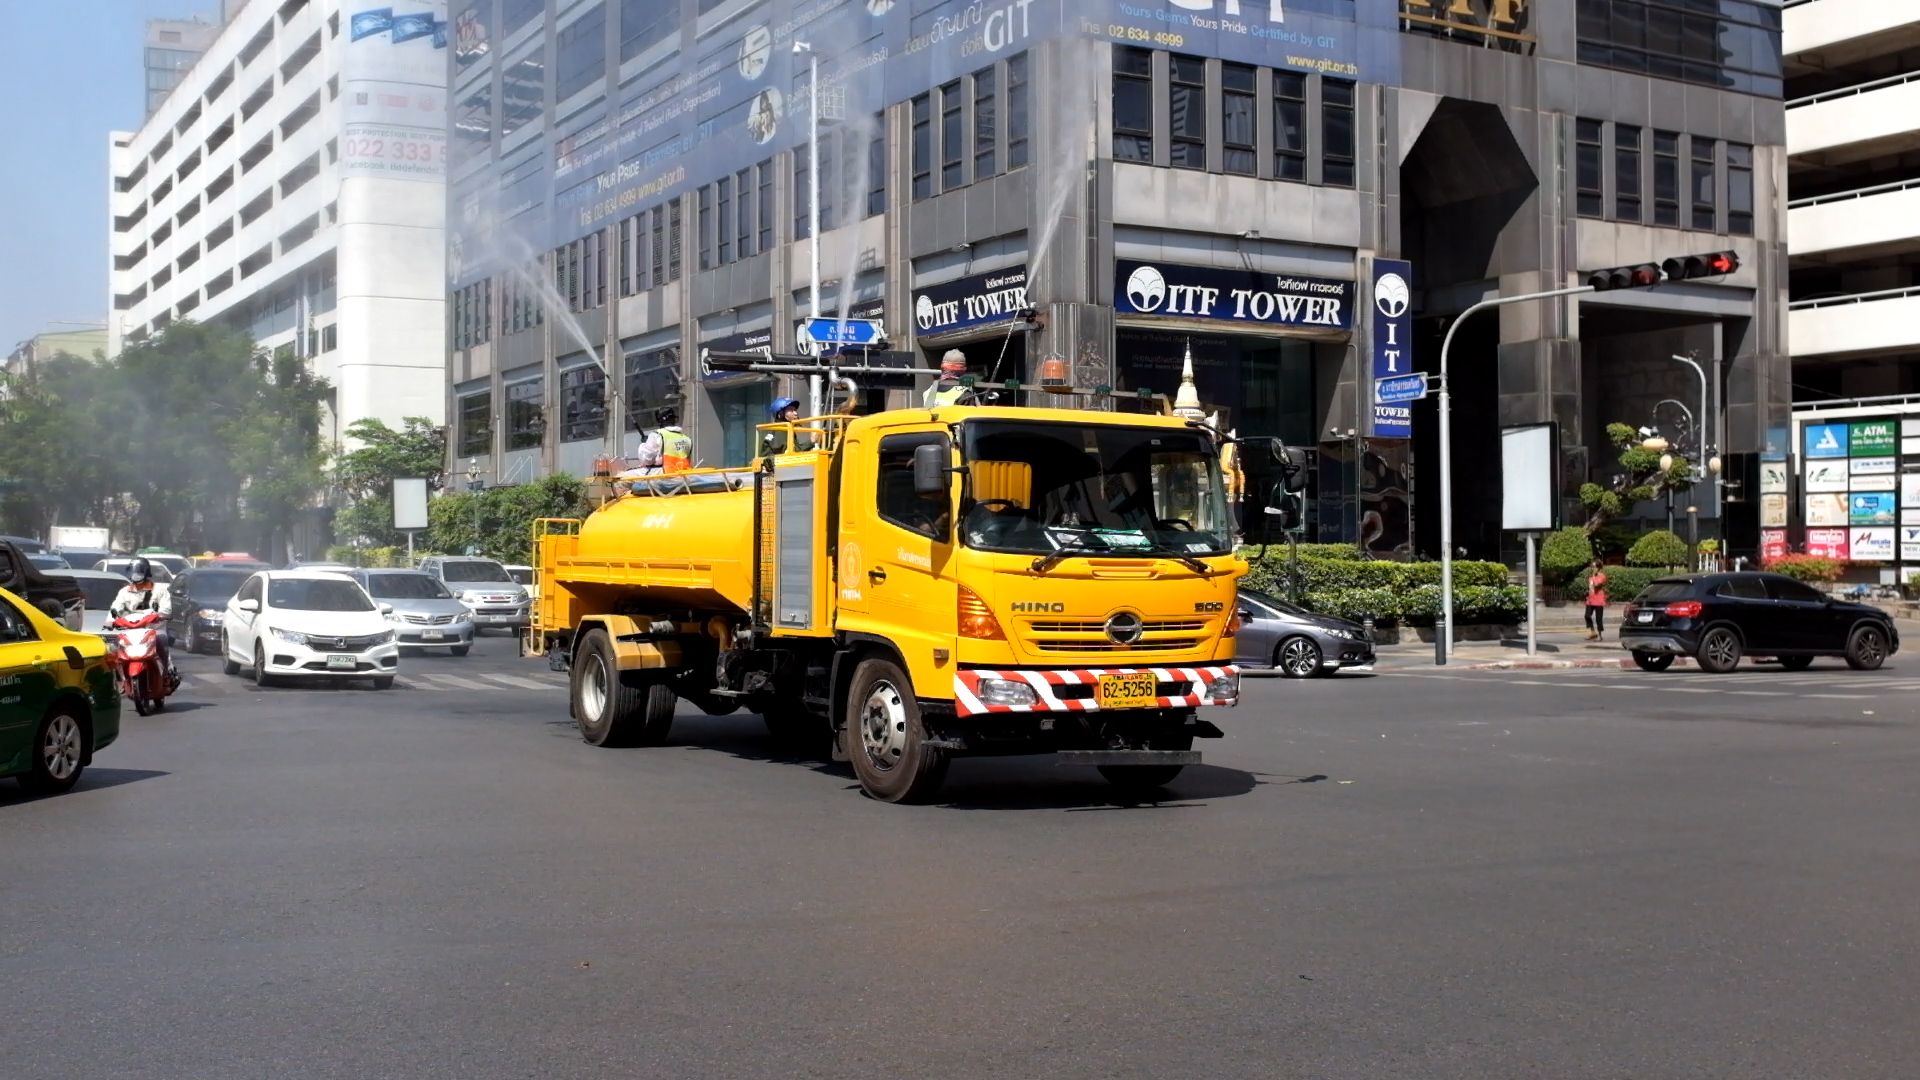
612 711
885 738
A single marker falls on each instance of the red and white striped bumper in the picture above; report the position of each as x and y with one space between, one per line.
1076 689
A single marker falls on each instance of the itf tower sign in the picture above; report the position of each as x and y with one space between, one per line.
1392 304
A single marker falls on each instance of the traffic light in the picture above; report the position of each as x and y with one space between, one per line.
1644 276
1689 267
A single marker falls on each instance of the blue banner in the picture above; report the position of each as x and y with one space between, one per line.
1392 304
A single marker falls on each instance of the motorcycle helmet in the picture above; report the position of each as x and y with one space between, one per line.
780 405
139 570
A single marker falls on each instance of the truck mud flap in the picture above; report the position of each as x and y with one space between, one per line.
1127 757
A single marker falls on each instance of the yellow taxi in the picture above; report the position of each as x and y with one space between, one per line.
58 701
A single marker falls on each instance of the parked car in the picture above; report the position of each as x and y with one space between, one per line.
1296 642
200 605
484 585
61 706
57 598
317 565
100 587
307 623
425 613
47 560
1718 618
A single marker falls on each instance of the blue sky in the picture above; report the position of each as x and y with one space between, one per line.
71 73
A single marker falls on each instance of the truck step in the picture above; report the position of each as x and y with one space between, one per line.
1127 757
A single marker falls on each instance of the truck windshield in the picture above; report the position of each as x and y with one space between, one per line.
1099 489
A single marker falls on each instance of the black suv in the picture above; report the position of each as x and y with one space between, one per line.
1716 618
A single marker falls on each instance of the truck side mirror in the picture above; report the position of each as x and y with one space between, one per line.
930 465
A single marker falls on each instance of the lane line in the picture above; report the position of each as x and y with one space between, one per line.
515 680
454 682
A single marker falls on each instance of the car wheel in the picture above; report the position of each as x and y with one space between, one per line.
260 676
1866 648
1719 651
228 665
1297 658
1653 661
383 682
58 748
460 650
1796 663
886 739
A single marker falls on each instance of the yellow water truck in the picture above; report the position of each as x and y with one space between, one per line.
908 587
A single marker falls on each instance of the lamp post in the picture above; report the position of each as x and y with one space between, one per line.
473 489
813 204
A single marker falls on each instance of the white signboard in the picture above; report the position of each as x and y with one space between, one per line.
1910 489
1773 511
1773 477
1910 543
1885 482
1871 543
1526 478
409 504
1826 510
1828 474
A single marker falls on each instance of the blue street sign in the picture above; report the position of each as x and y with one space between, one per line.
1400 388
850 332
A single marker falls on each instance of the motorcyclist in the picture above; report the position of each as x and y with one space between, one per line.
784 410
138 598
667 448
947 389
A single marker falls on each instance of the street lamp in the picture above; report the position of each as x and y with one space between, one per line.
813 204
473 487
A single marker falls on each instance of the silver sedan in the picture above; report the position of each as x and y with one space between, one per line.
425 615
1296 642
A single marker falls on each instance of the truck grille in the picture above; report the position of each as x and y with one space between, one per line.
1090 636
1099 626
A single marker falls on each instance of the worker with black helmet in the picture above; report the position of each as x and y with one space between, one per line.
667 448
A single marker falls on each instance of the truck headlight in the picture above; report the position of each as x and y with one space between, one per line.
1007 692
1224 688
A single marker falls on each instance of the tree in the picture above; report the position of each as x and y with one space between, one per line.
365 475
276 445
498 522
61 457
1566 552
1642 479
1658 548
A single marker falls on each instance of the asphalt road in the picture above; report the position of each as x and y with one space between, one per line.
1415 875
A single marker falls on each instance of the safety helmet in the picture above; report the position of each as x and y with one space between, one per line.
666 414
139 570
954 361
780 405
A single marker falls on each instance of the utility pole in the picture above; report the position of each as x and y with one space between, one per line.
813 204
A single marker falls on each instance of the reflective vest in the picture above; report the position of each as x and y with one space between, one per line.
676 450
942 393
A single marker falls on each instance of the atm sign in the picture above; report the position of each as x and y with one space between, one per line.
1873 438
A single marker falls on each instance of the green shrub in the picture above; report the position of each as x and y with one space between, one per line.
1658 548
1806 567
1566 553
368 557
1392 592
1623 583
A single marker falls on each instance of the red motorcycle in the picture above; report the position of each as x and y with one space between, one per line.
138 667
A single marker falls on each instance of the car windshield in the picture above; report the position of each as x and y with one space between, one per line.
99 591
1663 591
1281 606
317 594
125 566
1099 489
406 587
48 562
217 586
175 564
476 570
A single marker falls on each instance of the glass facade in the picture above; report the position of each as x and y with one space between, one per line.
1728 43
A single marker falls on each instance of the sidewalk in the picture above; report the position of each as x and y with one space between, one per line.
1559 647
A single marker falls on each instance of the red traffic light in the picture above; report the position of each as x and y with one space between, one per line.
1712 264
1644 276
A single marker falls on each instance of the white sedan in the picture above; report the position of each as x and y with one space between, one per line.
308 623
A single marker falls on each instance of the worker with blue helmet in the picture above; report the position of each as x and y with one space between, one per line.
783 410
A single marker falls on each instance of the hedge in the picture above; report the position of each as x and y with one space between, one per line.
1806 567
1392 592
1658 548
1623 582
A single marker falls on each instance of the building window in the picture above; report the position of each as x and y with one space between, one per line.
1666 178
743 213
473 122
653 380
597 268
673 240
1187 112
953 137
802 192
644 23
1017 117
652 224
1336 123
526 414
983 131
1590 195
476 424
515 14
1739 189
1733 44
1236 118
1704 205
1289 126
629 269
705 227
583 403
1132 104
723 221
766 205
922 146
580 54
877 166
523 94
1626 172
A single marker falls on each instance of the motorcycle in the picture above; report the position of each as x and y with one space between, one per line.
137 666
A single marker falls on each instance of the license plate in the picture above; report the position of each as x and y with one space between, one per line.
1645 616
1131 691
337 662
431 635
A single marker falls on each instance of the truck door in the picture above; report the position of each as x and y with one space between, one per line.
852 487
908 548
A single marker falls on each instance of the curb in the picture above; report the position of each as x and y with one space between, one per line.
1623 662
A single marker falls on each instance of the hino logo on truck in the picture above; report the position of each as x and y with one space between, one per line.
1037 607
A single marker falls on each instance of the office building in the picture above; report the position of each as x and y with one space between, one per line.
85 343
292 185
1303 194
172 47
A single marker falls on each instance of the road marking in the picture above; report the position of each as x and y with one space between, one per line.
515 680
454 682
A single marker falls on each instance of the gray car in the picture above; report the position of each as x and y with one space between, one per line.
425 614
101 587
1296 642
484 585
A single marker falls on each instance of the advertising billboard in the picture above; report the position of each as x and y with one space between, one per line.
1872 438
1392 308
1826 508
393 91
1827 543
1871 508
1828 475
1825 440
1871 544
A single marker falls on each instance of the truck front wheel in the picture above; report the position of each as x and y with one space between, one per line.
610 710
885 738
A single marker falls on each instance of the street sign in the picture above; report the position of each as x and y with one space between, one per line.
847 332
1400 388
